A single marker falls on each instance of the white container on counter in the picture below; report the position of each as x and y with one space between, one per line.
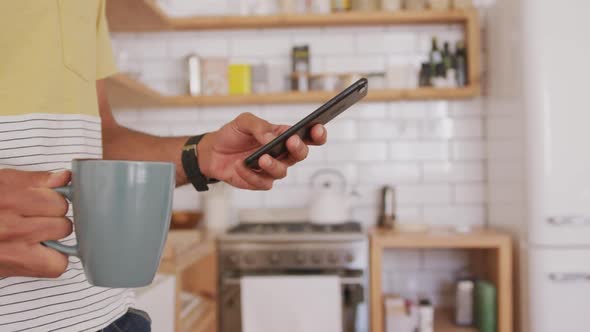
464 303
217 208
397 316
426 316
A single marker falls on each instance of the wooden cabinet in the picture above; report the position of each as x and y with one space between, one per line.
490 258
190 256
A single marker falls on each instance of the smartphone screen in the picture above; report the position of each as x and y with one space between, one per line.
322 115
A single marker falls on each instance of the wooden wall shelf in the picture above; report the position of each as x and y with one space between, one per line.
491 258
147 16
126 92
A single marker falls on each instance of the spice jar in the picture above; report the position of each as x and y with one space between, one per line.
415 4
440 4
364 5
341 5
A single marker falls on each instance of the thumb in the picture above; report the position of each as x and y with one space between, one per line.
250 124
25 179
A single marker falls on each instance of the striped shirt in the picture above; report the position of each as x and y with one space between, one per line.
50 60
48 142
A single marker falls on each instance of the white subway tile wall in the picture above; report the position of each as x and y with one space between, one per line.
433 152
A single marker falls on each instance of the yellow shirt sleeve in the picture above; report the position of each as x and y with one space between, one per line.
105 63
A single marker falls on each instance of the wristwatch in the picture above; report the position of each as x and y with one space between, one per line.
190 164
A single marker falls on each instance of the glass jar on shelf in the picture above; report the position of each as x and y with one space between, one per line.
462 4
391 5
415 4
365 5
341 5
439 4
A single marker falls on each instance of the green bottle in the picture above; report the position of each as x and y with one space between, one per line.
485 307
446 56
435 55
461 55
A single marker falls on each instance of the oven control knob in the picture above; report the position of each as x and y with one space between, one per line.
274 258
349 258
316 258
249 259
233 259
332 258
300 258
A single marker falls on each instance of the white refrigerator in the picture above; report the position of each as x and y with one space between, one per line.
538 103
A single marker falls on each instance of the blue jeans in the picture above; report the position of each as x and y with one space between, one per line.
133 321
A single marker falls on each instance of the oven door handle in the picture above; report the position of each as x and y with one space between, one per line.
343 281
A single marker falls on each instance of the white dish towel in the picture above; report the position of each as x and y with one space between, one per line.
291 304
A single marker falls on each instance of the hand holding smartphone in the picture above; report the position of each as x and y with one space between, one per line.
322 115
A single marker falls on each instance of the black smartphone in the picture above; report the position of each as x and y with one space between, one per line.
322 115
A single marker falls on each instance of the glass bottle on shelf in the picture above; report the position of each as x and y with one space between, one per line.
446 55
435 55
461 55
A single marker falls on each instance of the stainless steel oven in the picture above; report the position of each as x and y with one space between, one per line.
291 249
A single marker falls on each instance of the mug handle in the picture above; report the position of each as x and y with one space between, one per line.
64 249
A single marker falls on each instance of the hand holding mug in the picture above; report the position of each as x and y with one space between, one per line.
31 212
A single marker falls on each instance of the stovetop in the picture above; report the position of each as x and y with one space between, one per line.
295 228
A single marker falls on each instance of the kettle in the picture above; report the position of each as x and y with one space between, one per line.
330 202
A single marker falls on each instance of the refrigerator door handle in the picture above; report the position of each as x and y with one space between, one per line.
567 277
569 221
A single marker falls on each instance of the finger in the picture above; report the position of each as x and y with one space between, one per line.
319 135
35 202
48 229
273 167
255 181
250 124
297 149
23 179
36 260
33 230
53 264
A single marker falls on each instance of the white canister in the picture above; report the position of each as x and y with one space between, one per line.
391 5
425 316
321 6
217 208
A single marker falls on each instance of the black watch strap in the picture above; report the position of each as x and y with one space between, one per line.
190 164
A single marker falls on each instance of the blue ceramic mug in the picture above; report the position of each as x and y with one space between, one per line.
122 213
